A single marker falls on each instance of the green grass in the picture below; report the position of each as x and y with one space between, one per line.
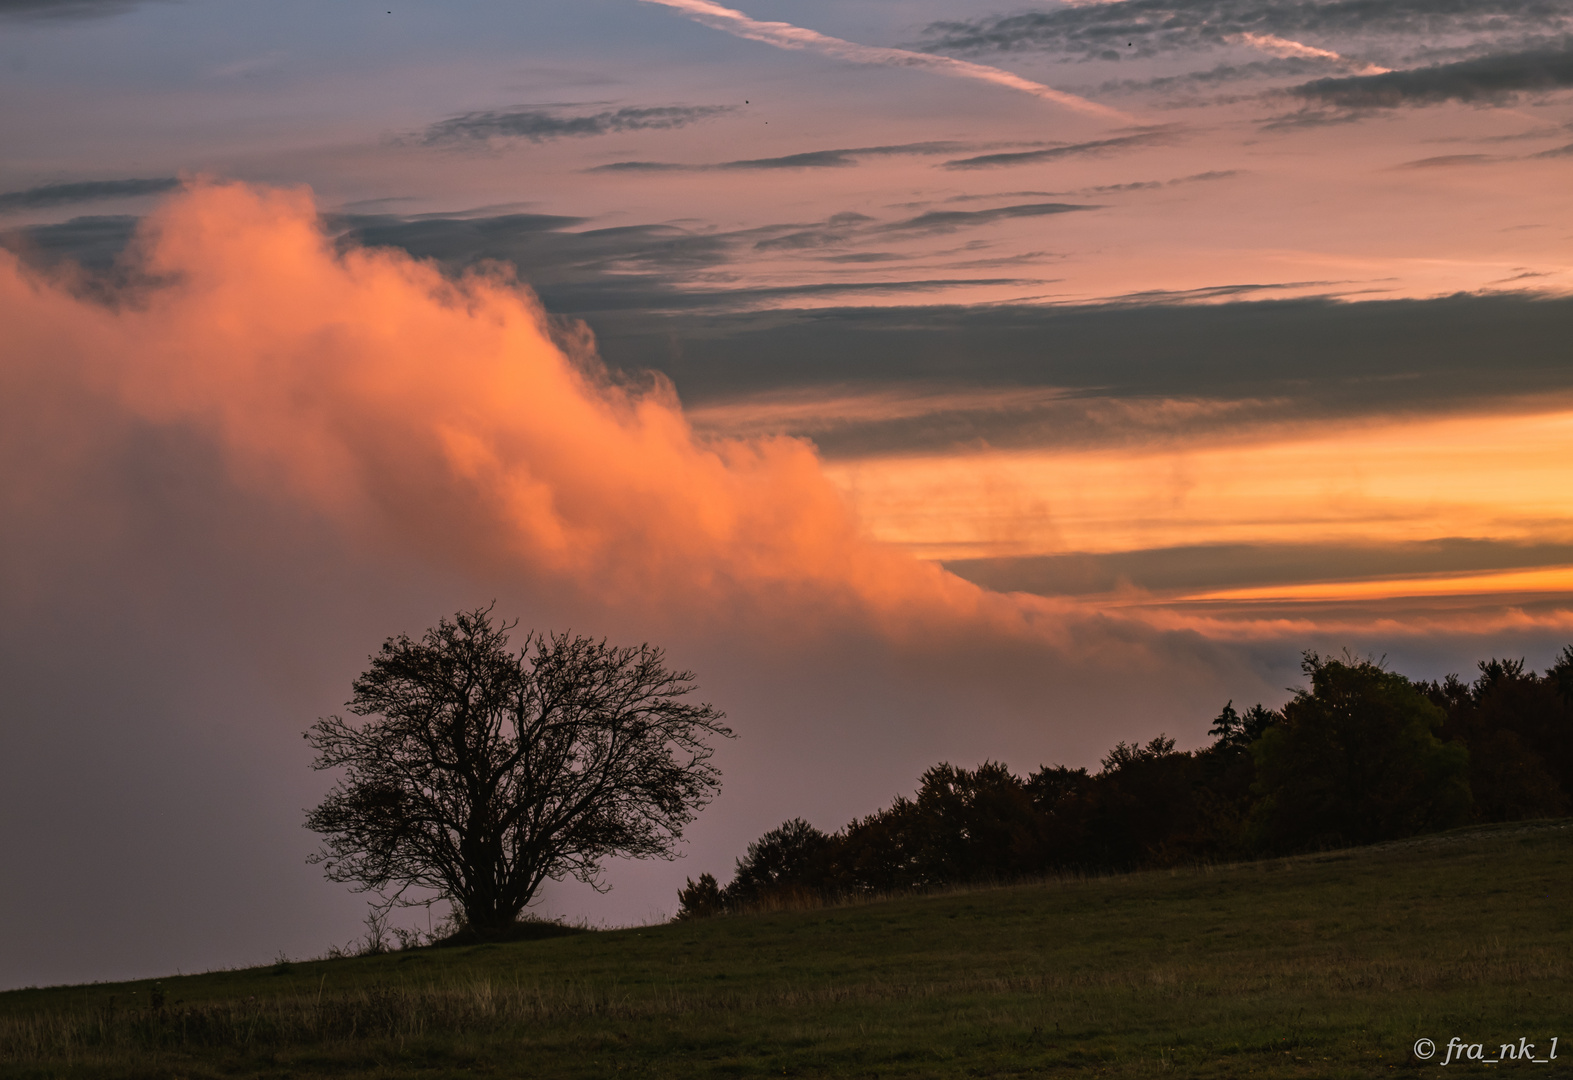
1322 966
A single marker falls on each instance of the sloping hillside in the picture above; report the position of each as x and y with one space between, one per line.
1328 965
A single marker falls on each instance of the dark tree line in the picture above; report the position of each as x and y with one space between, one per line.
1359 756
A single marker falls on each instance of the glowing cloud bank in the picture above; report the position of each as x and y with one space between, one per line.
398 402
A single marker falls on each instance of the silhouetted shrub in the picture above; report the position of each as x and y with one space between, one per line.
700 899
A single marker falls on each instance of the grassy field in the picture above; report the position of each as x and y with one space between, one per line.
1324 966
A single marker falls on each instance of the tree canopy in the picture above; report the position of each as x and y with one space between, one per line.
480 772
1360 754
1357 758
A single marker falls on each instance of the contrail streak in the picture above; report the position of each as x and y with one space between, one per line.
1277 46
786 36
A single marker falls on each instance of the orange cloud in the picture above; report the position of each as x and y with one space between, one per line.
402 403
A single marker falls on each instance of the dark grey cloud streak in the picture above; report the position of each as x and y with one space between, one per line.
47 195
1224 566
939 221
659 266
540 125
1152 185
1258 362
1293 358
839 229
1192 87
1482 80
64 9
1054 153
1446 161
842 229
811 159
1167 571
1381 353
1149 27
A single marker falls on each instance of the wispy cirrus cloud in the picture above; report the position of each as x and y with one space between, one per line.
1444 161
811 159
938 221
543 124
1117 189
1285 48
847 228
1153 185
1053 153
787 36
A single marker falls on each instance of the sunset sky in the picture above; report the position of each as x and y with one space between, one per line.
938 380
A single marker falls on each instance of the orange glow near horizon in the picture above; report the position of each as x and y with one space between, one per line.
1499 477
1553 580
